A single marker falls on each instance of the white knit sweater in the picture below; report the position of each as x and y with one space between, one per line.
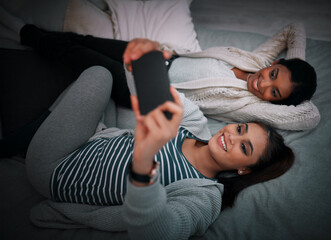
228 99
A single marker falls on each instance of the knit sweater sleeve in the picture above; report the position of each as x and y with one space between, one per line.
153 213
292 37
193 119
295 118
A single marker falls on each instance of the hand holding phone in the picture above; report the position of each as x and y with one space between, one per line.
151 81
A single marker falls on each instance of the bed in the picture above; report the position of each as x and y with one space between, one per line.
294 206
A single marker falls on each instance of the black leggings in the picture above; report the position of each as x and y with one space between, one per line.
80 52
77 52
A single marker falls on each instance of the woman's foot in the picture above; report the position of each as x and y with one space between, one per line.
30 35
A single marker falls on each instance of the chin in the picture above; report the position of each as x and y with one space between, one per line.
251 90
249 86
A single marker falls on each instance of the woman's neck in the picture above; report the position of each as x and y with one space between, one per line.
240 74
197 153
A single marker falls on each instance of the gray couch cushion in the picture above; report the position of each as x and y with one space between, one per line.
48 14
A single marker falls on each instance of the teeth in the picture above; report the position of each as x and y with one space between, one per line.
255 83
223 143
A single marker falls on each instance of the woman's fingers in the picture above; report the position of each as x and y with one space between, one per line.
155 127
137 48
176 110
167 54
144 47
135 106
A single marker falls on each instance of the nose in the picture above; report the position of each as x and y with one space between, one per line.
233 138
264 85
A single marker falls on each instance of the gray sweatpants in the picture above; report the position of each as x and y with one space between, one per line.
72 122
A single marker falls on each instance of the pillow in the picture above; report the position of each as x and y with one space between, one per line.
168 22
86 18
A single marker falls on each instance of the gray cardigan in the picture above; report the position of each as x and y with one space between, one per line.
182 209
179 210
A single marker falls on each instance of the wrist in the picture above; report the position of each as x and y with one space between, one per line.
142 178
141 167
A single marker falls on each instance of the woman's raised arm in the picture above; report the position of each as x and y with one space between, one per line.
292 37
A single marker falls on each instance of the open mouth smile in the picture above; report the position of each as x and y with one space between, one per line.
222 142
255 85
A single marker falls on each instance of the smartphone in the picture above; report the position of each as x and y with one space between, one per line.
152 82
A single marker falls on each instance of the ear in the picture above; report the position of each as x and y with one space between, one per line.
244 171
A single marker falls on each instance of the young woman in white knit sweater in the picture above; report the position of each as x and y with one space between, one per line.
227 83
230 84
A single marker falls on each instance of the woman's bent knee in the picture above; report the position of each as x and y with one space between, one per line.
61 133
99 76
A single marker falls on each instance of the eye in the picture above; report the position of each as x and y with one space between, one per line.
239 129
243 148
272 74
274 93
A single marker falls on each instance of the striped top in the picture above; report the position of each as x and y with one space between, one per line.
96 172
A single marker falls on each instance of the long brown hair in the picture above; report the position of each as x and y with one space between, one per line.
275 161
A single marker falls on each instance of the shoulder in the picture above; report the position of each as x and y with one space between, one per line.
192 184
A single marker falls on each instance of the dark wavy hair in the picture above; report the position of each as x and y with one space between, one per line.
274 162
304 79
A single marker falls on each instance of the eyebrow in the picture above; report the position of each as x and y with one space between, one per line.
249 142
277 71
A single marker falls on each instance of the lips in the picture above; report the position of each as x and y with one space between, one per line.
222 142
255 84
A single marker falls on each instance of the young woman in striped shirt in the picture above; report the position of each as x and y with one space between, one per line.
167 173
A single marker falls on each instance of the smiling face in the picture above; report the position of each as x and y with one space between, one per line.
237 146
271 83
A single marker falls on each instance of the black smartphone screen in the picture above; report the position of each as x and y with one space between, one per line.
152 82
